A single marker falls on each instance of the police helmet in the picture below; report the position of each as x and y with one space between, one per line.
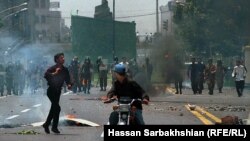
120 69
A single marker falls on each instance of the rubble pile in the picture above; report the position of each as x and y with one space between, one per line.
227 108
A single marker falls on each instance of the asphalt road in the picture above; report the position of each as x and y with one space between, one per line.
28 112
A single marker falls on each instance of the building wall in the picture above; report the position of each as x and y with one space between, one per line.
38 12
45 24
54 22
14 19
94 37
37 23
166 15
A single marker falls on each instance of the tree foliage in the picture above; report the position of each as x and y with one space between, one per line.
214 26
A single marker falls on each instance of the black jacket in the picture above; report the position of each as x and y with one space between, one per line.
56 81
128 88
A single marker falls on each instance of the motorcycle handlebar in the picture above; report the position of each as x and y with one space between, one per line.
114 99
110 100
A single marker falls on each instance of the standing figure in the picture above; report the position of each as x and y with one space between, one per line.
9 78
220 74
2 81
133 68
239 73
149 70
74 70
98 63
178 75
243 64
210 76
103 75
192 74
201 71
55 76
19 79
86 75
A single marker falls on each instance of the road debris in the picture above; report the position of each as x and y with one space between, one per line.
191 107
27 132
230 120
227 108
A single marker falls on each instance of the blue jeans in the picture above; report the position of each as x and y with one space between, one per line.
114 118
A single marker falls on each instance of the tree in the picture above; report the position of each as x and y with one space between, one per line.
214 26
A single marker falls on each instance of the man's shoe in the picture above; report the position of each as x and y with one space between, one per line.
55 130
46 129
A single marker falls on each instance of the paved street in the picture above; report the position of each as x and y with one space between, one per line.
165 108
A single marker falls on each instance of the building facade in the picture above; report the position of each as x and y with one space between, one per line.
31 19
13 14
103 11
167 17
45 24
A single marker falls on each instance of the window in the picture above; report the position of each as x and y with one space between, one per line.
37 19
36 3
43 19
44 33
43 3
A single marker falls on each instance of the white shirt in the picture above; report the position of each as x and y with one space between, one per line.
239 73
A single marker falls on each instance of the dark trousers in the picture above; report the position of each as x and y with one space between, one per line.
194 85
178 86
54 97
1 86
103 82
211 83
77 85
239 87
87 85
200 84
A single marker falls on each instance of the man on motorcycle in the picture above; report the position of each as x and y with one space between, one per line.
123 87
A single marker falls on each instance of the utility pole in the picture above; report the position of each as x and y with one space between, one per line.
157 17
113 29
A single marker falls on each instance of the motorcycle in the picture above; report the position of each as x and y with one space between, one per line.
126 112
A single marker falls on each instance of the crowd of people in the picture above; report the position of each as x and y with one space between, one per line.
17 77
200 73
82 74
